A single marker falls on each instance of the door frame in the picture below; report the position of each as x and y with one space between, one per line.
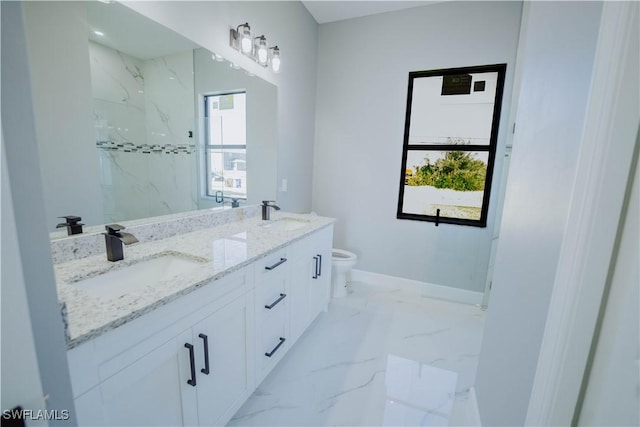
604 169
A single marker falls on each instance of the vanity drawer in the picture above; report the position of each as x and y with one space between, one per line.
269 292
272 264
272 342
271 329
273 318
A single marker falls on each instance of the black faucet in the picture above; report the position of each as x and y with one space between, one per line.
114 239
73 224
266 213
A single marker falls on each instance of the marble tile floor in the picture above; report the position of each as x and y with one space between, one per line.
380 356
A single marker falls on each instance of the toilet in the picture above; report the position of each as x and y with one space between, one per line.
342 263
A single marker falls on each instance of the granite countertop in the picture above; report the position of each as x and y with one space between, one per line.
217 251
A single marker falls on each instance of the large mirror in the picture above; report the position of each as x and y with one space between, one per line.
177 128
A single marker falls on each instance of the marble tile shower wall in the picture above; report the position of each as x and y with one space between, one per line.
147 230
143 114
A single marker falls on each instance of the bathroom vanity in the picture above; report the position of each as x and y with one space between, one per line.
219 307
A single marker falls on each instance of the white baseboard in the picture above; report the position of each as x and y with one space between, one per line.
423 288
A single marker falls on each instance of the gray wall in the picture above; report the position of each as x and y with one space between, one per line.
363 67
61 82
556 57
293 29
30 269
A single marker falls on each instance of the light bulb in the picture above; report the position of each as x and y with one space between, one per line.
262 51
262 56
275 64
246 40
275 60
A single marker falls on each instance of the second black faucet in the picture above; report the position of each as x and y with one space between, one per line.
266 212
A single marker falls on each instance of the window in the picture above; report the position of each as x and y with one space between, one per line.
226 145
450 138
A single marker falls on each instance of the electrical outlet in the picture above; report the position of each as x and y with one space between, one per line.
283 186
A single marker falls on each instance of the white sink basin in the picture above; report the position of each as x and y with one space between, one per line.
150 272
284 224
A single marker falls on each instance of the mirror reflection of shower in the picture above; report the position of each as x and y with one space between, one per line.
143 116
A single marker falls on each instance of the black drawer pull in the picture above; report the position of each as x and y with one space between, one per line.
282 340
320 266
273 304
205 370
192 381
315 270
271 267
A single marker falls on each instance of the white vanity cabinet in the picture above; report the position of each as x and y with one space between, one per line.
200 377
195 360
310 280
193 365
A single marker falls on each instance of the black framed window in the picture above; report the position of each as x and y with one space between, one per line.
450 138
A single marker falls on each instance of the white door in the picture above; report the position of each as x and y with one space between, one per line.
311 280
320 291
223 361
612 395
154 390
302 273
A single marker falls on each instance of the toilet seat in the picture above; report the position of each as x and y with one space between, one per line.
339 254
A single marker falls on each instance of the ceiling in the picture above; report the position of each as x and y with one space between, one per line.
330 11
129 32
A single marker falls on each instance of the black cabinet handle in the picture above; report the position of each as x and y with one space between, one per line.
205 370
272 352
273 304
315 270
271 267
192 381
320 266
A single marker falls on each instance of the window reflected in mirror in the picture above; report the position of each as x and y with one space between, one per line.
226 145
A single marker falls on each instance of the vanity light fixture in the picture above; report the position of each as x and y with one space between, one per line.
256 48
98 33
242 38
